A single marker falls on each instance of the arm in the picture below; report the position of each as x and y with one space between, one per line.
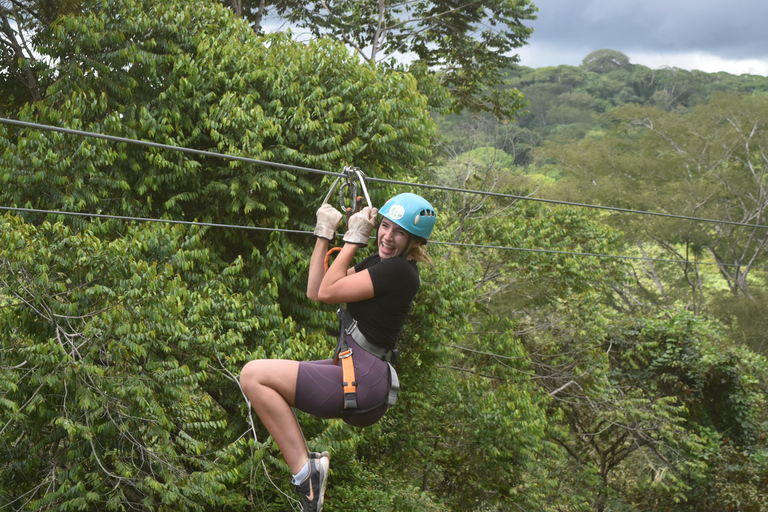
341 283
328 219
316 268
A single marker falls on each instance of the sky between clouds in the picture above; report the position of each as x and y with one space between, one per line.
709 35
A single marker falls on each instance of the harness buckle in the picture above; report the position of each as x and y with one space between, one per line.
350 401
349 329
348 379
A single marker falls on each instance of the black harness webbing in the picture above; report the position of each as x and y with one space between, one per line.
343 354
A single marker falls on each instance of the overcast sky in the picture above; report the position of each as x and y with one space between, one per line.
709 35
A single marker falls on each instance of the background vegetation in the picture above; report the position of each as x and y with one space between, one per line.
599 361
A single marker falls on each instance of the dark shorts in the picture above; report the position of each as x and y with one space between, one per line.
319 389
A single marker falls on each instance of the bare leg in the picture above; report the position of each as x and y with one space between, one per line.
270 385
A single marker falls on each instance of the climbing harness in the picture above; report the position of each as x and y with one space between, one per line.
352 177
343 354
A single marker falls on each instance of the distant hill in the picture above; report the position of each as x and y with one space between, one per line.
563 101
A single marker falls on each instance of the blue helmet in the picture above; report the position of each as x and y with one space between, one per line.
411 212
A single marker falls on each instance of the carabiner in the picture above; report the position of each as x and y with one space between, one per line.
357 201
354 198
361 179
350 173
353 177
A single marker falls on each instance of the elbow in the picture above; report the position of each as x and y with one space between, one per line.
324 296
312 296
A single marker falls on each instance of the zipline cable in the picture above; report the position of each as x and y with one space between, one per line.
200 152
302 232
157 145
147 219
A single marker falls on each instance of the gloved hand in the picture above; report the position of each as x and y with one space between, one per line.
328 219
360 226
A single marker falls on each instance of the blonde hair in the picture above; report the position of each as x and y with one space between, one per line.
419 252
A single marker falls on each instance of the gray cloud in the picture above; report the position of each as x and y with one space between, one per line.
729 30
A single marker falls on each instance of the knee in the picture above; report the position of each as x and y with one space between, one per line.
249 377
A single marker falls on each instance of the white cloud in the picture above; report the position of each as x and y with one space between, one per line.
543 55
701 61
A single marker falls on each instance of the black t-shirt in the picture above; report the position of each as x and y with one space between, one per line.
395 283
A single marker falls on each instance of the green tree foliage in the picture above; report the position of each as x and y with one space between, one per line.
114 366
205 81
617 437
716 421
645 413
19 66
605 61
24 26
707 163
119 360
130 319
607 79
468 45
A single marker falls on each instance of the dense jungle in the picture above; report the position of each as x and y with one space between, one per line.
592 336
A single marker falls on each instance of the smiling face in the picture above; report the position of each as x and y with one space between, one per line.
393 239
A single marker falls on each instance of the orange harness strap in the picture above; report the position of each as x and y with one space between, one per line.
328 255
348 375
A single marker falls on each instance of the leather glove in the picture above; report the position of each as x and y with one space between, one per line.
328 220
360 226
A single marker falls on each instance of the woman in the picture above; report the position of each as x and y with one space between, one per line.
378 292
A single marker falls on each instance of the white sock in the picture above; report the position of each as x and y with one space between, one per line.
301 475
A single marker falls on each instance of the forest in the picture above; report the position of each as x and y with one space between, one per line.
591 338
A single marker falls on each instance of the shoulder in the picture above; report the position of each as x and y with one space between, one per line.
398 265
395 273
368 262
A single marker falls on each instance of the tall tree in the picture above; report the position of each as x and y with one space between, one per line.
214 86
145 329
605 61
19 22
652 427
711 162
115 368
468 45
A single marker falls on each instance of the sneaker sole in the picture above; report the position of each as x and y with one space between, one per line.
325 462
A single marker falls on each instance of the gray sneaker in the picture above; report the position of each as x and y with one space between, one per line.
312 488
